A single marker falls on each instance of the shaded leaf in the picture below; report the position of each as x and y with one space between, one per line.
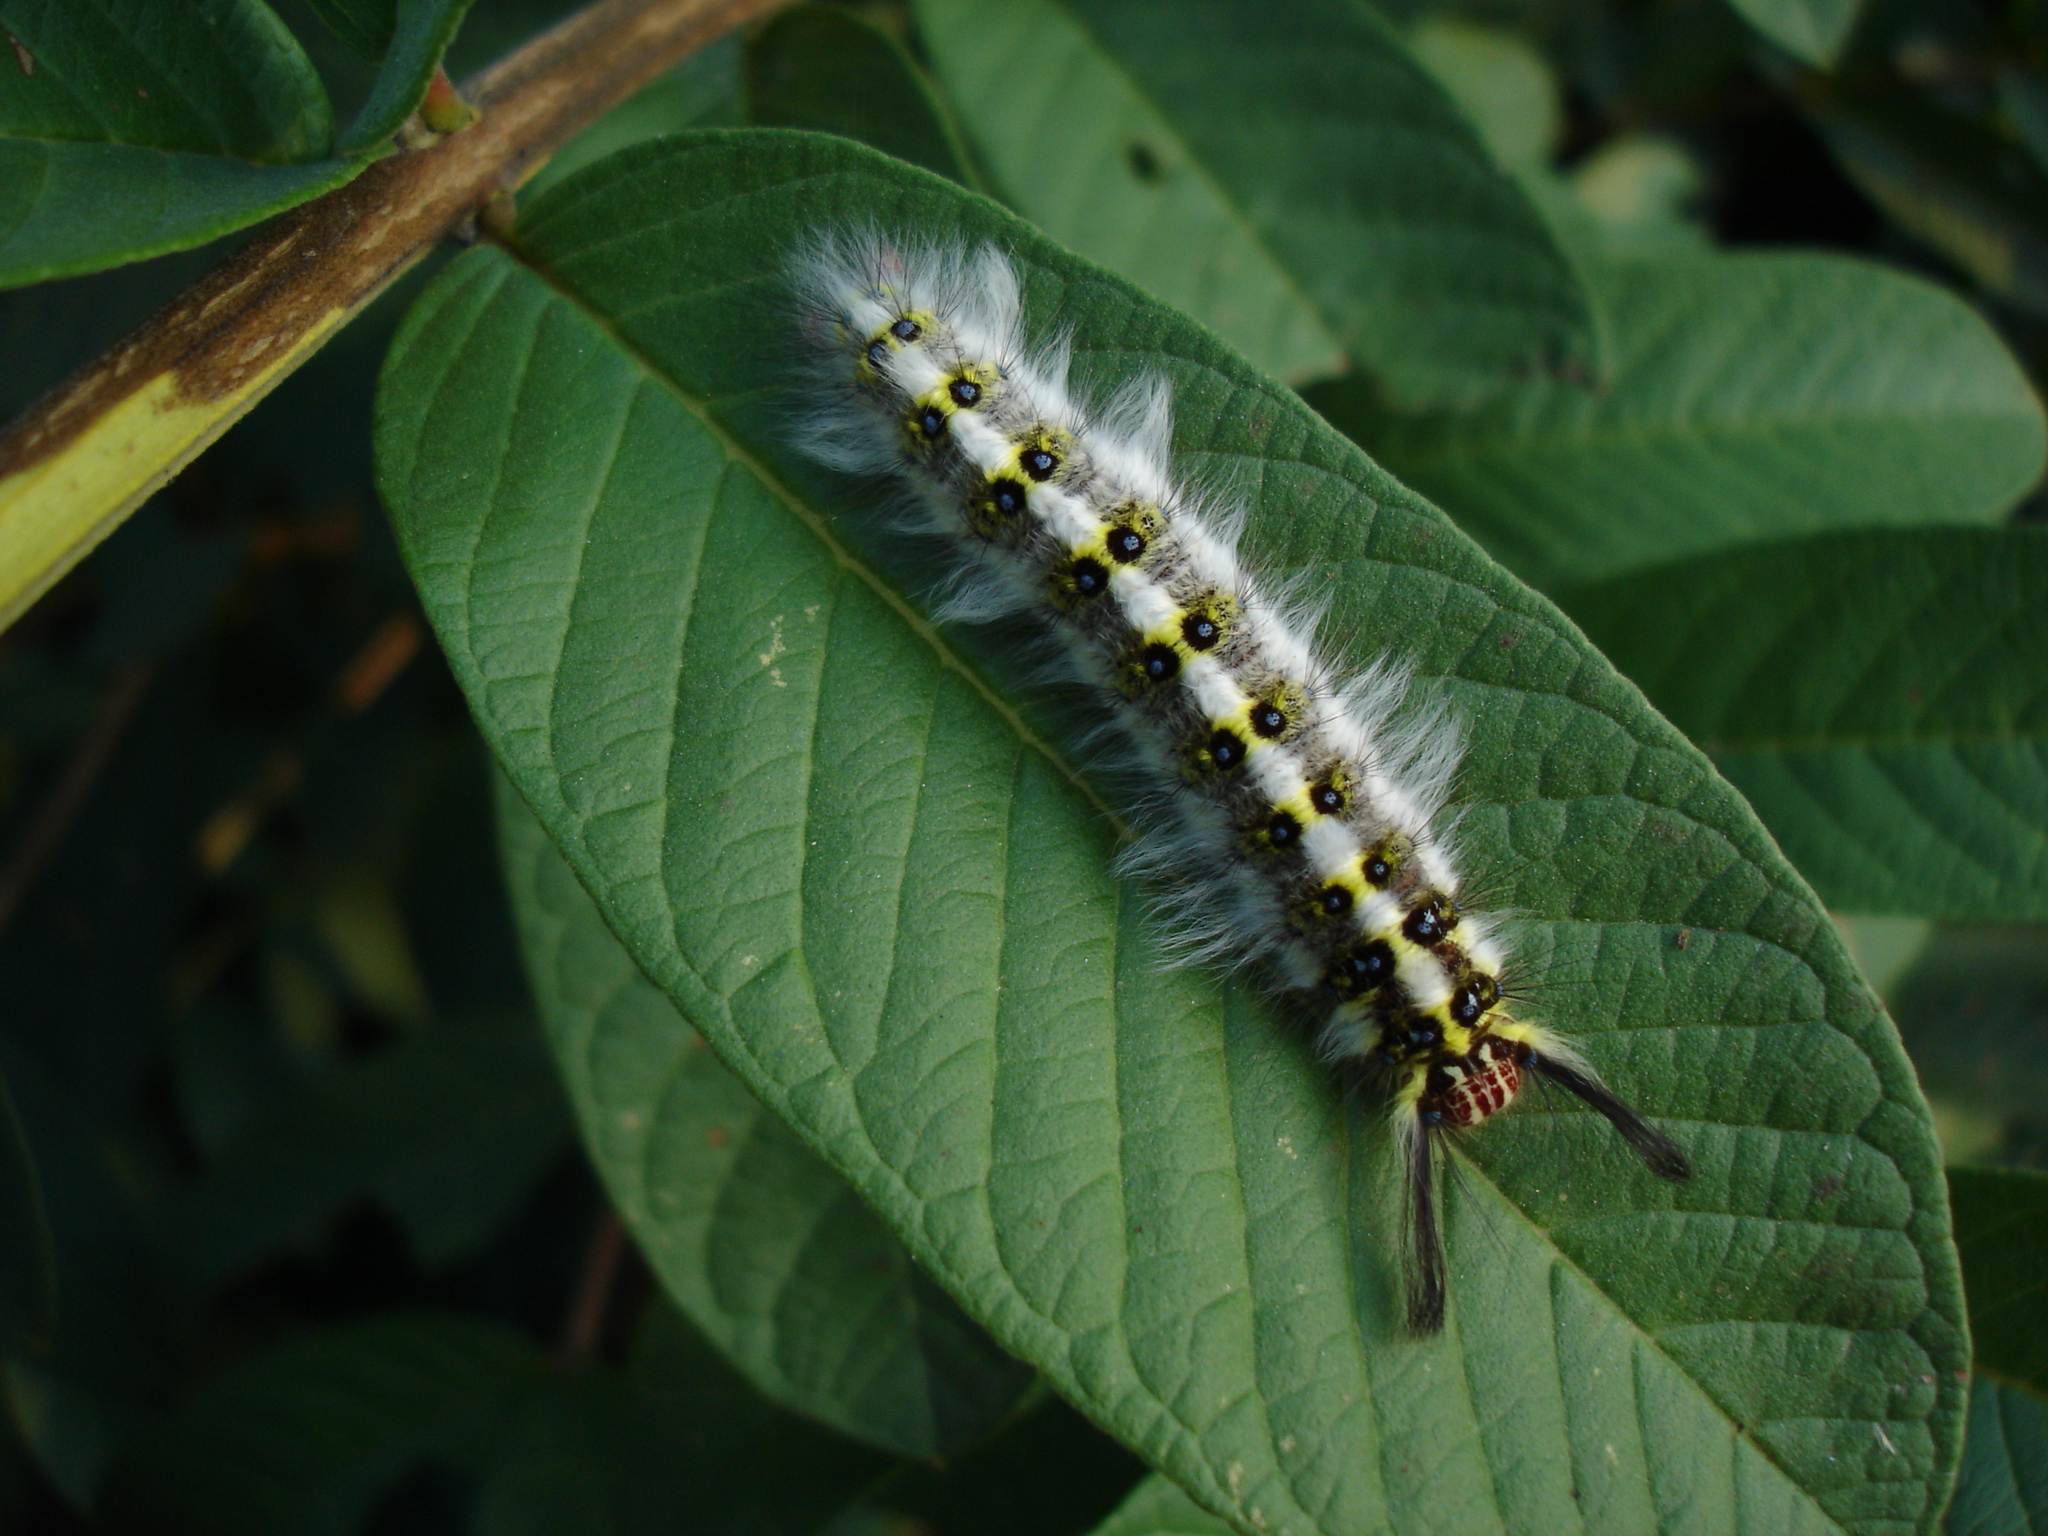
208 77
71 208
1046 1470
28 1274
448 1129
707 88
2001 1218
1964 189
892 912
823 67
142 129
366 26
1157 1508
1751 397
1880 697
303 1437
1286 172
1810 30
768 1250
626 1457
420 33
1974 1013
2003 1489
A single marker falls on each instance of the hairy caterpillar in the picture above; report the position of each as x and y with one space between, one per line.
1289 814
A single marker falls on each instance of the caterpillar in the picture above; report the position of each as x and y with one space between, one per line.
1291 818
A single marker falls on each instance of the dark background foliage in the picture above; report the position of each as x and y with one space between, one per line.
280 1105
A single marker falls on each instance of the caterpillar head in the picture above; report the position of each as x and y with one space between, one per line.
1468 1090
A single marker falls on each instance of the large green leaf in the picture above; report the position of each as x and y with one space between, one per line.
766 1248
1881 697
1751 397
891 910
2003 1489
1286 172
2002 1235
129 130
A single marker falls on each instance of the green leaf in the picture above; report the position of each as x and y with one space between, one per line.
134 130
421 33
704 90
768 1250
1957 184
28 1273
303 1437
1974 1013
448 1129
1880 697
2001 1218
1500 81
743 1465
1157 1508
2003 1490
1002 1487
1640 190
891 910
72 208
366 26
1811 30
1286 172
823 67
617 1457
1752 397
210 77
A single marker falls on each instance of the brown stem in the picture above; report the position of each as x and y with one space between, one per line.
229 338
